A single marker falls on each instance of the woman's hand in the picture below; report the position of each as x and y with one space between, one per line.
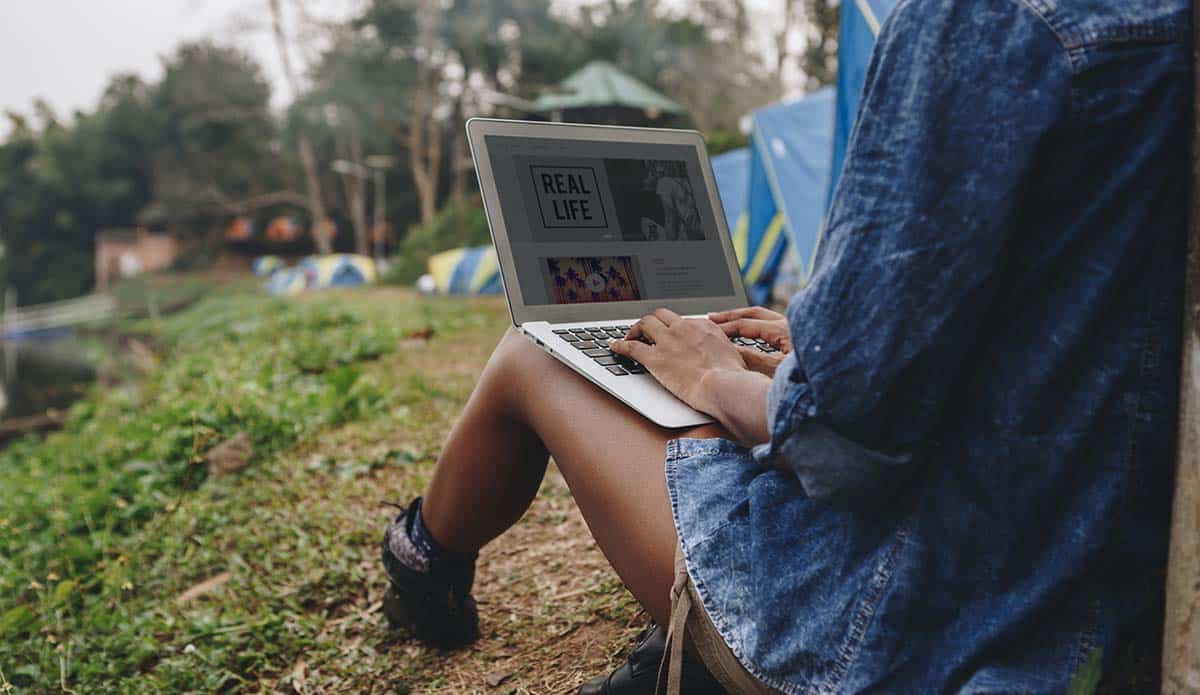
694 360
681 353
758 323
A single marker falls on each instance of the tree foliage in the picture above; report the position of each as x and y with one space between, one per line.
180 151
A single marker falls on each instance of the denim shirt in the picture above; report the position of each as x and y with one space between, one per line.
968 482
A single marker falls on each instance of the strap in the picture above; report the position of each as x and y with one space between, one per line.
681 605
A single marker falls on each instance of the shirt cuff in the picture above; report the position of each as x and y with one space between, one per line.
828 465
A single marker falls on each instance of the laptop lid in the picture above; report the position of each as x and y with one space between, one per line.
593 223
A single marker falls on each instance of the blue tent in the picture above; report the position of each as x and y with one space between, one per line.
321 272
732 171
860 24
466 271
773 191
794 142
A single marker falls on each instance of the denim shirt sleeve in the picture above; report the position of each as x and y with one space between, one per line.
957 98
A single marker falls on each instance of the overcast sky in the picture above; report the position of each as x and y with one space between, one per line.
65 51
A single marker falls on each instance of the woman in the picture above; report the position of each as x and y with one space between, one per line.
958 479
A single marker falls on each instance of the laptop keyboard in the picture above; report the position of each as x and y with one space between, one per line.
593 342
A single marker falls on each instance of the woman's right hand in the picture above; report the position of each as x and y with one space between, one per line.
758 323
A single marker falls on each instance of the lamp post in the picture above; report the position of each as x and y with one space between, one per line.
348 168
380 163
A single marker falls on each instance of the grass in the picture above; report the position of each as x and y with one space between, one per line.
126 567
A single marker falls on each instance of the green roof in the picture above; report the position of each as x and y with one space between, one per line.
599 84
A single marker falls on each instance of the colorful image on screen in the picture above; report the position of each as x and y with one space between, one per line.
578 280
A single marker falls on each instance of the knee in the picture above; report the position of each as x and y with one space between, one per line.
516 359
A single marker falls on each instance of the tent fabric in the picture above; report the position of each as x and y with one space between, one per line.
263 266
861 21
794 142
773 191
762 237
322 272
732 172
286 282
602 84
338 270
472 270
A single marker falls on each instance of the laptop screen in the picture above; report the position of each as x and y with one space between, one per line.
592 221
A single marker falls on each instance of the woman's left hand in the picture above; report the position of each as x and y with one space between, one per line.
682 354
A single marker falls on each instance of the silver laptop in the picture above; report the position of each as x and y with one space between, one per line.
597 226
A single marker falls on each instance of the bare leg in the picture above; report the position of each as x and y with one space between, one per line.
527 405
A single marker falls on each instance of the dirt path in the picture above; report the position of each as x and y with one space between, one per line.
553 613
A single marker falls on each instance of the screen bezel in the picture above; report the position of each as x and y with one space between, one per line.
477 131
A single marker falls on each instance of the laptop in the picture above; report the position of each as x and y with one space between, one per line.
597 226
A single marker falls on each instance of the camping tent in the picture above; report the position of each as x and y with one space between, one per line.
732 171
337 270
860 24
321 272
263 266
466 271
773 191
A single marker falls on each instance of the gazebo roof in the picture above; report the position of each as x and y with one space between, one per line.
601 84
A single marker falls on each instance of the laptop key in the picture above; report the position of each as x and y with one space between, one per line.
636 369
579 330
561 331
606 361
587 344
618 371
569 337
597 352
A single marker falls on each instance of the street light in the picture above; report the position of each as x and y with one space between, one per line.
380 163
349 168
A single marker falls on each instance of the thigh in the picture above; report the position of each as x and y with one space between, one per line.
612 459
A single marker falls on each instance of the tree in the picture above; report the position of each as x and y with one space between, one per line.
822 20
218 133
61 181
308 158
702 57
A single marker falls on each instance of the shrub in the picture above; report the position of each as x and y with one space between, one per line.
724 140
455 225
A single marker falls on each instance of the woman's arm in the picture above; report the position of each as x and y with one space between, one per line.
962 104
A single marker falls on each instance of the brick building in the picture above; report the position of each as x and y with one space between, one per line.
122 253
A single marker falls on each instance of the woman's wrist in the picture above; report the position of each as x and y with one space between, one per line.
738 400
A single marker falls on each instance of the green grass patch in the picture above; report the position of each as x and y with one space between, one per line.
105 525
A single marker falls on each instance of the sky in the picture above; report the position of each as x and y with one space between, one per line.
65 51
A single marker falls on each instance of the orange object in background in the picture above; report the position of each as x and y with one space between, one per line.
381 233
239 229
282 229
327 229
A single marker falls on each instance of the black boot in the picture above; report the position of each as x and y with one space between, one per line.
429 597
639 675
